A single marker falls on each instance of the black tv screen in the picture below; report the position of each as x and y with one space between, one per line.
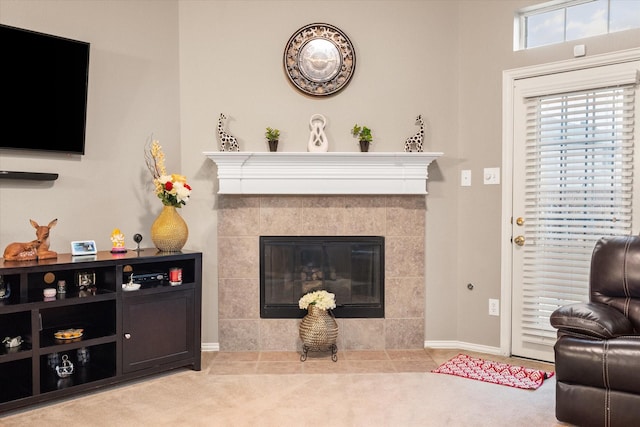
43 91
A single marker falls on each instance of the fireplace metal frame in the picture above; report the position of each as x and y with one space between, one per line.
286 311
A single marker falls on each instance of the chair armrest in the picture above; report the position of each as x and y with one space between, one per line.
591 319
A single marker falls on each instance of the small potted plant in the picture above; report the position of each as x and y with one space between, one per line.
272 136
364 136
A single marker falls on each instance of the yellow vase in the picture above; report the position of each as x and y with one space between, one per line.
169 232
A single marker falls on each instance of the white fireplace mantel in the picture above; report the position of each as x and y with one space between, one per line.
322 173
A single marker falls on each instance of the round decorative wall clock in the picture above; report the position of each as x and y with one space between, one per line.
319 59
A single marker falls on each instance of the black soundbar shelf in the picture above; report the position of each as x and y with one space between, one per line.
32 176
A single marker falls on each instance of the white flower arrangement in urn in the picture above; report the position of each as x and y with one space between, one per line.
320 299
318 329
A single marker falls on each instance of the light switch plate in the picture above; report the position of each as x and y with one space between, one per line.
492 176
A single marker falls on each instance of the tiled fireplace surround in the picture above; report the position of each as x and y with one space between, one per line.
243 219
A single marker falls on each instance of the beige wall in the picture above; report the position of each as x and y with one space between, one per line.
169 68
485 50
133 93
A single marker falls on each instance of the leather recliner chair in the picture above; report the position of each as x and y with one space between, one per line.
597 354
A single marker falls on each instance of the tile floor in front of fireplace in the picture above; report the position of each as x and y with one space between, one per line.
349 361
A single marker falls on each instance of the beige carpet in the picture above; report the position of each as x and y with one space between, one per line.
189 398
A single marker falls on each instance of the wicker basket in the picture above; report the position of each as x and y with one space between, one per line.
318 329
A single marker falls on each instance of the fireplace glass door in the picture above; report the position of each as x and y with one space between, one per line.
351 267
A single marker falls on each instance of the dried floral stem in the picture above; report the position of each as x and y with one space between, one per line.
172 189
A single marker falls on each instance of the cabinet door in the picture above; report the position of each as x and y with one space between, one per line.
158 329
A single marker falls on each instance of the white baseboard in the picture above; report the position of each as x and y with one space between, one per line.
214 346
463 346
210 346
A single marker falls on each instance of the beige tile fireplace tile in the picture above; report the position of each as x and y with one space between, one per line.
413 202
279 334
409 354
365 355
323 215
239 335
405 215
279 356
237 356
370 366
365 215
404 297
361 334
238 215
234 368
325 365
404 334
238 257
281 202
280 367
414 365
404 256
280 215
239 298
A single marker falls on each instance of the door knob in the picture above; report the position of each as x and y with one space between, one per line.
127 336
520 220
519 240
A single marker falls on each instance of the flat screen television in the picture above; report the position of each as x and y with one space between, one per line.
43 91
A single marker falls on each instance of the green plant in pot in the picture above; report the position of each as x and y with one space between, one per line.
364 136
272 135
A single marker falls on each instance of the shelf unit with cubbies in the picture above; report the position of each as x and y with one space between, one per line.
125 335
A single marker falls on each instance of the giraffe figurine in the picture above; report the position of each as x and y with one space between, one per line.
416 140
225 137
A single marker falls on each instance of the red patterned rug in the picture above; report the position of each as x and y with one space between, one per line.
494 372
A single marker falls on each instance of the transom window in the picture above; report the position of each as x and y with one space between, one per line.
565 20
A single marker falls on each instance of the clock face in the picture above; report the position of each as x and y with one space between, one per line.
319 59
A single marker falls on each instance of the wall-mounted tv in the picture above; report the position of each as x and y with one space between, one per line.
43 91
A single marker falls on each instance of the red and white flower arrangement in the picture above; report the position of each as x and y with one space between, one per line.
172 189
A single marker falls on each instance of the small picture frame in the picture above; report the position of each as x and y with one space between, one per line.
83 247
85 279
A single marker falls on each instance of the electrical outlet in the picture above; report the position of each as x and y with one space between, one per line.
465 178
494 307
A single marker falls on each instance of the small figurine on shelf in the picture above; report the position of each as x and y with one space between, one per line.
117 238
35 249
414 143
226 138
13 342
66 369
317 140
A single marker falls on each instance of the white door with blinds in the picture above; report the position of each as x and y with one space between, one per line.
573 183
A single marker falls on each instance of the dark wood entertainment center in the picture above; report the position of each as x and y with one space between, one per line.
127 334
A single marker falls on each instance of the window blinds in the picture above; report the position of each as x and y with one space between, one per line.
578 188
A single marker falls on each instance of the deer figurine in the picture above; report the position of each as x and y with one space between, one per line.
36 249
